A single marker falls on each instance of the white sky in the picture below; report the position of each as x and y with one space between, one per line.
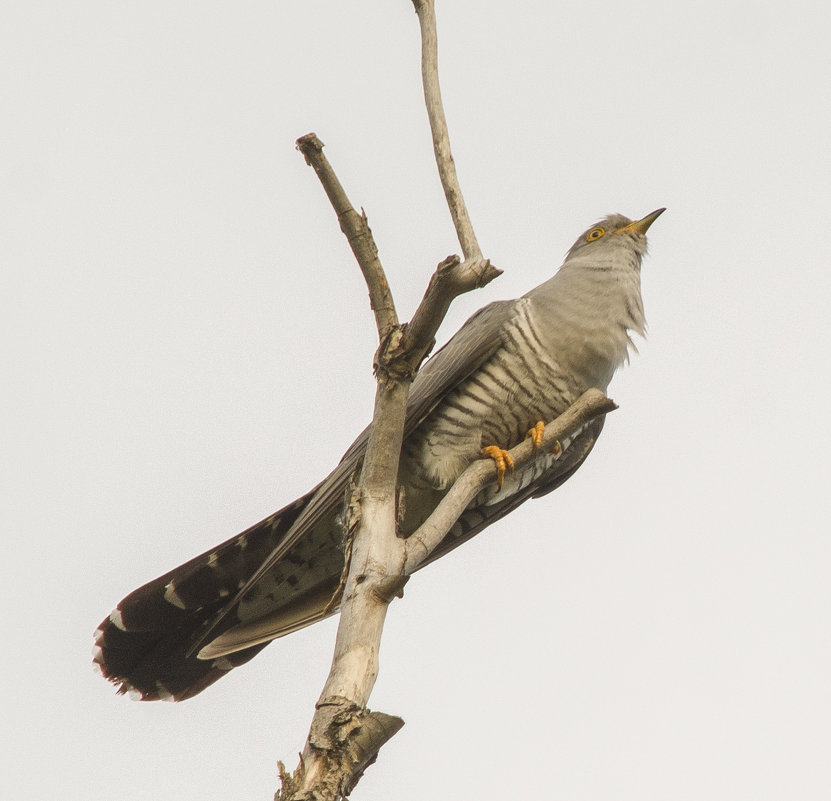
187 347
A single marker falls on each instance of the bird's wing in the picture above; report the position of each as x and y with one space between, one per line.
473 344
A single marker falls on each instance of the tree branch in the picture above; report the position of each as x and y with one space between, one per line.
356 230
337 749
345 736
426 12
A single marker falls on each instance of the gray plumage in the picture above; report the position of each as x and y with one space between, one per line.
512 364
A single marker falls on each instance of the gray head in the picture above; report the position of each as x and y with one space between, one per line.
613 232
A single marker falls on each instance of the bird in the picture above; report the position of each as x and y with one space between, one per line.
513 365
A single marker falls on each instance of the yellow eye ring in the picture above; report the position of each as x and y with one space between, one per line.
594 234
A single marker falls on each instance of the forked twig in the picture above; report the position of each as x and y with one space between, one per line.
356 230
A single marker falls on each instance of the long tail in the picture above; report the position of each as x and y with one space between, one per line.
144 645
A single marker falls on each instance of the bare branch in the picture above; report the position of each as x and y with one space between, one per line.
344 736
482 472
451 279
426 12
341 742
357 232
350 737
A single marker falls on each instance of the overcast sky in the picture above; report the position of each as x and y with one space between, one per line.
187 347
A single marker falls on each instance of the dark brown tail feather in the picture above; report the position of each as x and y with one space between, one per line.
142 645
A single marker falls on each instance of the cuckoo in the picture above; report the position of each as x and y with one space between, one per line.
512 365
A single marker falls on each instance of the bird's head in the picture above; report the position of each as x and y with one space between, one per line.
613 232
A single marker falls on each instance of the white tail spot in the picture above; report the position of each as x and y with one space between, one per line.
172 597
117 620
164 693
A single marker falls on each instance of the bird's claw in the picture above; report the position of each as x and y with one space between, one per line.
503 461
536 433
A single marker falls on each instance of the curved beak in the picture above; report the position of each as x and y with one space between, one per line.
642 226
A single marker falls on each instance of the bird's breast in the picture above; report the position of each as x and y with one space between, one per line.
522 383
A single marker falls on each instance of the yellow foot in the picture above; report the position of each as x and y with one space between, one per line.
502 459
536 433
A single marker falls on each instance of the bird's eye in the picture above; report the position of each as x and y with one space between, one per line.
595 233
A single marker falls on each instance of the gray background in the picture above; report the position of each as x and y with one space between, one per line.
187 347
